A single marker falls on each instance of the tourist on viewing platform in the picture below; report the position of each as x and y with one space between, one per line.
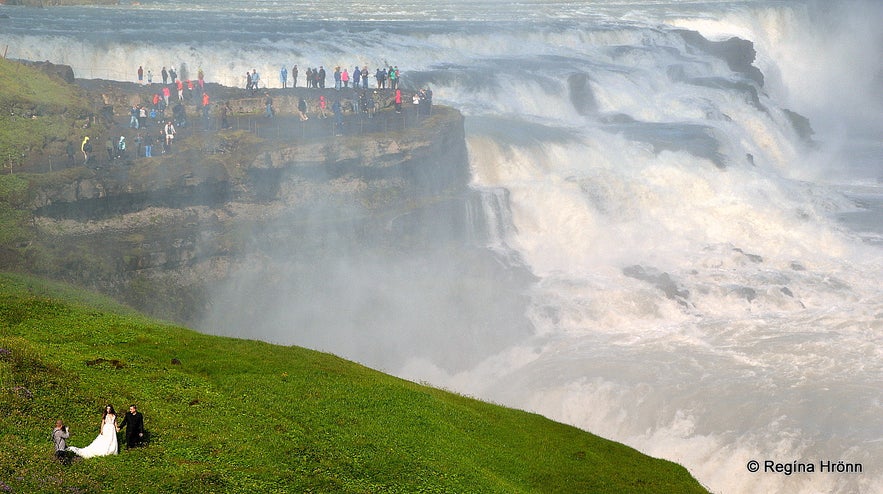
371 105
140 75
309 78
225 110
345 78
357 76
283 77
165 76
86 148
168 131
337 77
173 75
294 76
302 109
393 78
365 77
380 77
247 80
321 76
205 106
149 77
148 145
133 117
200 78
322 107
269 103
338 117
255 80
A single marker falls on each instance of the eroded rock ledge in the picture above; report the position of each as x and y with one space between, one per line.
155 232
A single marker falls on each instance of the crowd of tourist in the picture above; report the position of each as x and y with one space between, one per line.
153 127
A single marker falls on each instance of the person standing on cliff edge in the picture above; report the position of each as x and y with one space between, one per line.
205 105
169 131
86 148
140 75
269 102
225 110
302 109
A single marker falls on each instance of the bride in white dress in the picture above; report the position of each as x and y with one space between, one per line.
106 442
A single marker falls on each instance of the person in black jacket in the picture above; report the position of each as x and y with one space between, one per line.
134 424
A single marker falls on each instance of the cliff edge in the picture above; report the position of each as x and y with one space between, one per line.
156 231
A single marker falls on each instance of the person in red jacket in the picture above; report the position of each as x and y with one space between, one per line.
398 100
323 105
205 106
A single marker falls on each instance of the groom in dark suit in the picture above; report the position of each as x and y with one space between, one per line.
134 424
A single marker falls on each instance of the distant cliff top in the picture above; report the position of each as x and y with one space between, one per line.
53 3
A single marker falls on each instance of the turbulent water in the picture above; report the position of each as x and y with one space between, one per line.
706 235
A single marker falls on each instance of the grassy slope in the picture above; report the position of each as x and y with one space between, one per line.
36 112
245 416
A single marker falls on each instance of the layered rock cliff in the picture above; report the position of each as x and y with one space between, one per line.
156 232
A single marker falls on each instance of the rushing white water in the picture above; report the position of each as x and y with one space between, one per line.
708 282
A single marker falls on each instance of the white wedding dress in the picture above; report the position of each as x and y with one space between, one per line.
103 445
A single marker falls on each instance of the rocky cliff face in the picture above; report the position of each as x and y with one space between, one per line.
156 232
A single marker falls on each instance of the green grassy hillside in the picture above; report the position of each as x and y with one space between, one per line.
229 415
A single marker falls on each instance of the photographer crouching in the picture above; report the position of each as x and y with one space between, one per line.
59 437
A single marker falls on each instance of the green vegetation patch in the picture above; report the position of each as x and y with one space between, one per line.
228 415
37 112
